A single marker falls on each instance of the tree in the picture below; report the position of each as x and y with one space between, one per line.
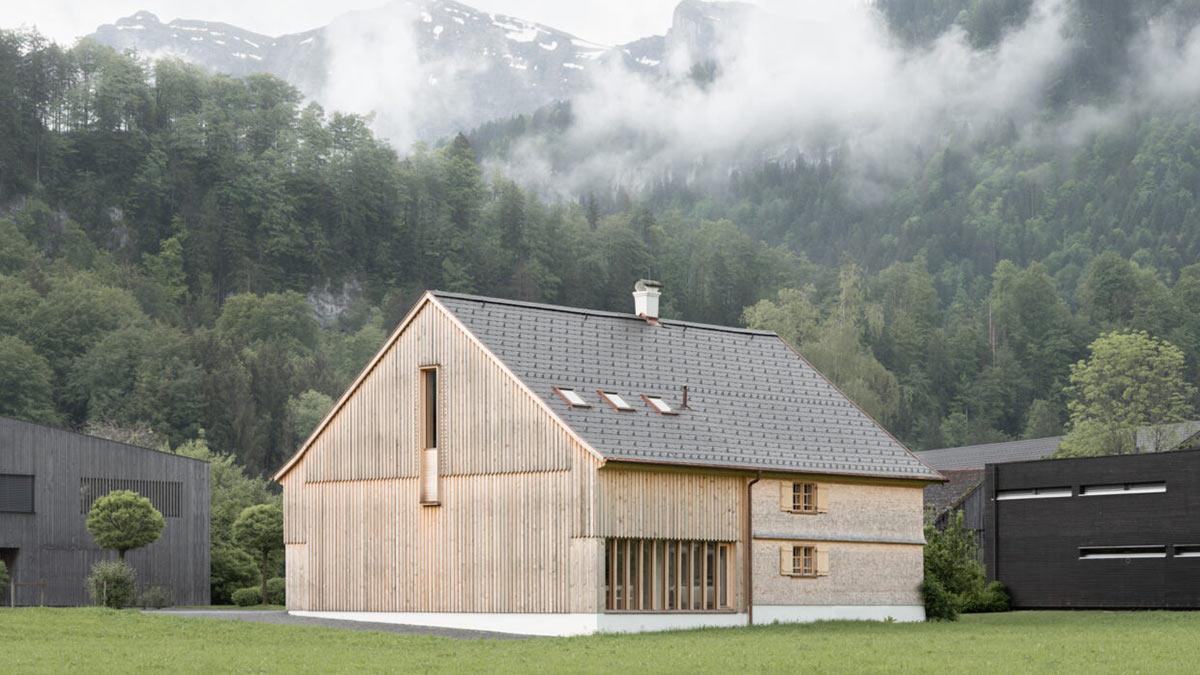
1131 380
231 491
1042 420
26 383
259 531
305 412
123 520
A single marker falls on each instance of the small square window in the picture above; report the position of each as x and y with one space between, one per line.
659 405
614 399
804 497
572 397
804 561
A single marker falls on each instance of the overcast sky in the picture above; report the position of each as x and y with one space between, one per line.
606 21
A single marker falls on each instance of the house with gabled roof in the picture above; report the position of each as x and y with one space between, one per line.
538 469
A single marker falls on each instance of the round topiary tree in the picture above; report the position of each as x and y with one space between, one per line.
259 531
123 520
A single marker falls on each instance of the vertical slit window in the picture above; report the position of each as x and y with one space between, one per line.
430 465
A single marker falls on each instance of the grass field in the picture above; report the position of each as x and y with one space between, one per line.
90 640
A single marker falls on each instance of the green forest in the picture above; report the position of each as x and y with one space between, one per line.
190 256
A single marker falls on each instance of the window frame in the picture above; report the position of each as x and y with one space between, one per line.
560 391
429 420
606 396
1123 489
666 409
32 492
807 495
1122 552
669 576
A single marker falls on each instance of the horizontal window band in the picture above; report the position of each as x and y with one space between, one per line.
1033 493
1122 489
1118 552
1187 550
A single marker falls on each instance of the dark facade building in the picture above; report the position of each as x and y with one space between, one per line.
49 479
1097 532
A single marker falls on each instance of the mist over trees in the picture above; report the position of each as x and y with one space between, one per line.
186 252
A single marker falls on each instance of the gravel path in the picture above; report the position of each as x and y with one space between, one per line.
283 618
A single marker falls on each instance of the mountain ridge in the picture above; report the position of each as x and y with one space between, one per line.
475 66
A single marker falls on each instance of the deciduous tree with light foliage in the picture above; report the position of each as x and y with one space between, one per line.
1131 380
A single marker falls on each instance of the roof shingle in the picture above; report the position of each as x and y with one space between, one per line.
752 402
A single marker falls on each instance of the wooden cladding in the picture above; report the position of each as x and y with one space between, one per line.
166 496
655 505
803 497
668 575
486 422
497 543
430 465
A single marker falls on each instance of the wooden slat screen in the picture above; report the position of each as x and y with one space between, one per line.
668 575
166 496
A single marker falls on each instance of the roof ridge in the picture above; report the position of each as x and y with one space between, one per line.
583 311
101 438
992 444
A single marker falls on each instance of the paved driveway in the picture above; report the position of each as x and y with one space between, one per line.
283 618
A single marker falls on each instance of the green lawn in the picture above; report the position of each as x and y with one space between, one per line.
89 640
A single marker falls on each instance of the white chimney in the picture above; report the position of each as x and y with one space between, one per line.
645 299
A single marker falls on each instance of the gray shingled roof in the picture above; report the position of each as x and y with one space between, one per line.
940 497
1171 436
976 456
753 403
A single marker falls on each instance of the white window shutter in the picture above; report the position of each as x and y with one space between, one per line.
822 497
786 567
822 562
785 495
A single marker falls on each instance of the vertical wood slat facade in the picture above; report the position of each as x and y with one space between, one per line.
70 471
524 507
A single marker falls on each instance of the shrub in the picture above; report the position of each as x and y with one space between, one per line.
231 569
112 583
157 597
993 597
952 559
246 597
939 604
3 575
277 591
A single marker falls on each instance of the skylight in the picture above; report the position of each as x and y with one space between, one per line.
659 404
614 399
572 397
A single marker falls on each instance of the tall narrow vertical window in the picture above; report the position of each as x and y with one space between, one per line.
429 435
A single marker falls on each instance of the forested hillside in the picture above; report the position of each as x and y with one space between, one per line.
182 252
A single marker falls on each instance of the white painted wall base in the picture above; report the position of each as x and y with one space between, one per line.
520 624
541 624
644 623
587 624
807 613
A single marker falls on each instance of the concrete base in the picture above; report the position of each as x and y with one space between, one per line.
588 624
808 613
541 624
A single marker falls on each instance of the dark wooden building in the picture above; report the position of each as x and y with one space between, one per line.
1097 532
49 478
